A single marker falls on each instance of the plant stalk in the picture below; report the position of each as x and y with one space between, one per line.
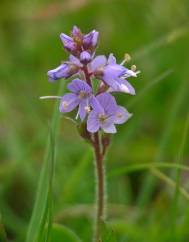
100 187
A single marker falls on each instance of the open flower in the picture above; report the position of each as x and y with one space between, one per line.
112 74
105 114
81 95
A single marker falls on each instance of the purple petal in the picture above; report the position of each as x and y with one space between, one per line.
78 85
121 85
82 111
110 129
76 31
68 42
85 57
107 101
93 124
122 115
114 70
98 61
90 40
61 71
96 105
68 102
75 60
111 59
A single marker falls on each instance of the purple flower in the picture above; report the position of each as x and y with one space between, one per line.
65 70
112 74
106 114
81 94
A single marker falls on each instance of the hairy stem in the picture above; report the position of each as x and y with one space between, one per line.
99 150
100 186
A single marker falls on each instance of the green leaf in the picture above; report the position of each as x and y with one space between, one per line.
42 212
60 233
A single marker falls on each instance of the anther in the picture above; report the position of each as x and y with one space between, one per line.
133 68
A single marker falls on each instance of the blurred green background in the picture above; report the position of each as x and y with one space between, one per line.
146 202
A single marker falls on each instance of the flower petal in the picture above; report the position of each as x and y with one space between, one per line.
110 129
111 59
93 124
82 111
122 115
121 85
68 102
68 42
78 85
61 71
108 102
98 61
75 60
96 105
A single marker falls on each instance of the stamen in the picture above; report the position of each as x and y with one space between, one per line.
87 109
127 58
50 97
133 68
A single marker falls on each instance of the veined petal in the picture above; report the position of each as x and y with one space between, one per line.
122 115
82 111
68 42
114 70
93 124
95 104
110 129
98 61
68 102
61 71
78 85
108 102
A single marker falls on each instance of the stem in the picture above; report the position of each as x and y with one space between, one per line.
100 175
87 76
100 188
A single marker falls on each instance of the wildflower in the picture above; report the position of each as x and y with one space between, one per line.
105 114
112 74
81 95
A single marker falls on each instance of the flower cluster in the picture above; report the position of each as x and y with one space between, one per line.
94 79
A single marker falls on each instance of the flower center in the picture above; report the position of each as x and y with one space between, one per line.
65 105
102 118
83 95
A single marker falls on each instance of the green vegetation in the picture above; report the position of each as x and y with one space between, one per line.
148 161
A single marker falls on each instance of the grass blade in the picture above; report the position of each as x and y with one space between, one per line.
39 214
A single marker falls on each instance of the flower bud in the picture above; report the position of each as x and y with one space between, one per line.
65 70
90 40
85 57
69 43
